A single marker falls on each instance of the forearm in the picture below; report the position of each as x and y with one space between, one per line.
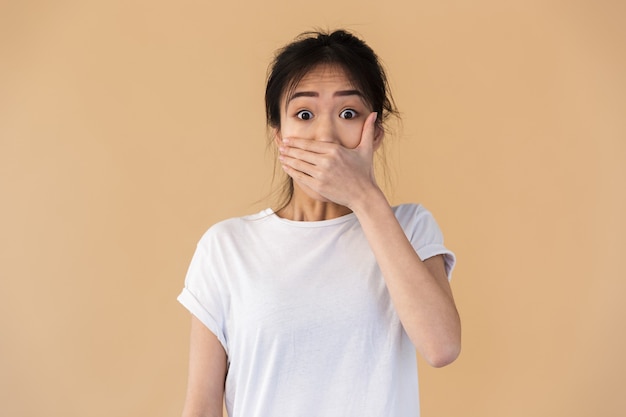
419 290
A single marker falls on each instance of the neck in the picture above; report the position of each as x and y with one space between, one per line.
302 207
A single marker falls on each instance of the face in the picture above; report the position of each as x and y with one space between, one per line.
324 106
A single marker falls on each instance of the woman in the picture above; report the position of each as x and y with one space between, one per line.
316 308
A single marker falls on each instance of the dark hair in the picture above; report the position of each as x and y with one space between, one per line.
341 48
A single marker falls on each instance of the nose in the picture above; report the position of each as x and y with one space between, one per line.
325 129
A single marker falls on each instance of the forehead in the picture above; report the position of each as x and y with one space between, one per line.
324 76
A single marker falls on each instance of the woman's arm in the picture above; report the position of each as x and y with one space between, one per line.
207 373
419 289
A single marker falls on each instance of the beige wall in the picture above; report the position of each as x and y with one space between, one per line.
128 127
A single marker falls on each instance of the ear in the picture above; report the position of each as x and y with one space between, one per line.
277 136
379 135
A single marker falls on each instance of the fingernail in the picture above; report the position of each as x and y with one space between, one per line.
375 116
285 140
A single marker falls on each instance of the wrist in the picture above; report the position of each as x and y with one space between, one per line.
367 199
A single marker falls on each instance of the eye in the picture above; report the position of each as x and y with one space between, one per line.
347 114
304 115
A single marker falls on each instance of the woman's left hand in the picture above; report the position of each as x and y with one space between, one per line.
339 174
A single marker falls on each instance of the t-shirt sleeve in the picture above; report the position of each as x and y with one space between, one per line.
425 235
203 294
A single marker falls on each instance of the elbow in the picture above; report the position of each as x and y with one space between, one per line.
443 355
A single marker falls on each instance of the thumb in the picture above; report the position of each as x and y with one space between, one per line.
369 132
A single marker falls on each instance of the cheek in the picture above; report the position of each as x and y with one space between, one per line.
290 129
350 135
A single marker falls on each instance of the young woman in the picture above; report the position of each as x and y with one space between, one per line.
317 308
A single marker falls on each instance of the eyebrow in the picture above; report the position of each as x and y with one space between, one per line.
340 93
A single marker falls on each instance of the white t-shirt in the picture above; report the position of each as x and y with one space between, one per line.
304 315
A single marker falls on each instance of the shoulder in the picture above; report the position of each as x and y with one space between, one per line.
233 227
412 215
418 222
424 233
408 210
